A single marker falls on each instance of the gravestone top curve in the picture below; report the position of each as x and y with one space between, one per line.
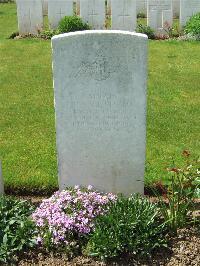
88 32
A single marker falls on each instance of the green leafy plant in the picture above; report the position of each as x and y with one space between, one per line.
16 228
65 220
6 1
172 31
168 29
131 226
13 35
193 25
72 23
177 202
146 30
48 34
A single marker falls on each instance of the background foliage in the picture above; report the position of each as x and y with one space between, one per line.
16 228
193 25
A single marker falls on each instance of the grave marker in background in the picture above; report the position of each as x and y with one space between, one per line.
159 15
57 9
187 9
30 16
93 12
124 15
100 101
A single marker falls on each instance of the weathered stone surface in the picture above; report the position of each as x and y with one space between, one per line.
57 9
93 12
100 102
159 15
30 16
124 15
187 9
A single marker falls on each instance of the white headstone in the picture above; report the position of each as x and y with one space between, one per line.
100 100
30 16
1 181
187 9
159 15
93 12
57 9
124 15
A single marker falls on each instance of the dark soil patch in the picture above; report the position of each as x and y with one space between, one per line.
184 250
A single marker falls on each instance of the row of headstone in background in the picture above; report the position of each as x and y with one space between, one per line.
30 13
141 6
101 109
159 14
123 13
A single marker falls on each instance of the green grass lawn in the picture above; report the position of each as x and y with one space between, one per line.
27 131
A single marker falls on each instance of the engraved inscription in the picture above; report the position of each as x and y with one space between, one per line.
101 112
192 4
159 5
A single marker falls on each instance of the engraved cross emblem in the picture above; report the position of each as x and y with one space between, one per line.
125 14
61 13
93 13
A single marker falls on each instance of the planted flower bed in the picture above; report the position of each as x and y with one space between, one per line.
80 226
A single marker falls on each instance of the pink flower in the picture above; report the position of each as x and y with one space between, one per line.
68 212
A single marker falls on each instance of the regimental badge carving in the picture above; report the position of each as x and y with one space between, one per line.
100 68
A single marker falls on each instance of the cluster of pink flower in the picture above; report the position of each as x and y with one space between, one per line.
70 211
